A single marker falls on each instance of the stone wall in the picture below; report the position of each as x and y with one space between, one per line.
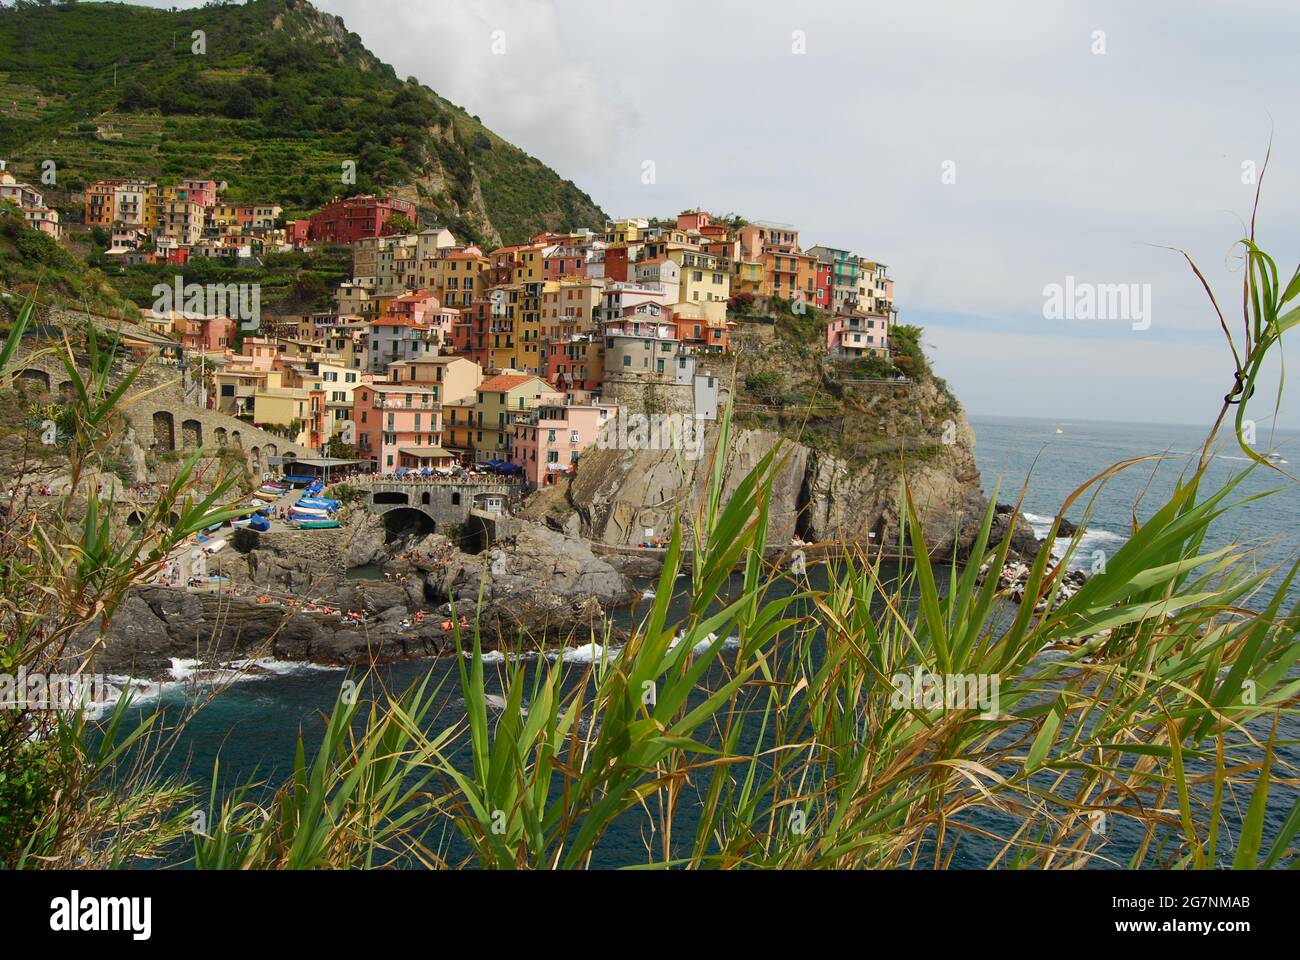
650 394
165 419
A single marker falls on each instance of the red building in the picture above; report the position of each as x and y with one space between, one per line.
358 218
822 286
297 232
616 261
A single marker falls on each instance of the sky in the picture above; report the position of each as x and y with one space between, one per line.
985 152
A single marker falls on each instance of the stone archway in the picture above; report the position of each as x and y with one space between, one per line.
164 431
237 440
383 498
271 450
67 392
405 521
220 434
192 434
255 459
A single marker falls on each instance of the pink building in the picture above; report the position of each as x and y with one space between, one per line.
548 442
854 335
398 425
564 261
207 334
202 192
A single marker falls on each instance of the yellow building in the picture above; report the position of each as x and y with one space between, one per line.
337 381
528 330
748 276
283 407
625 231
705 278
237 384
499 401
503 346
458 429
457 279
450 378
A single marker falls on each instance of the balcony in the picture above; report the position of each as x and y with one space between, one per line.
403 405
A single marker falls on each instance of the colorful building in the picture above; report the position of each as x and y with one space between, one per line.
549 440
397 425
499 400
850 336
346 221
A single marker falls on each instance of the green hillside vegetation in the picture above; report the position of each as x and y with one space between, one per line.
292 282
283 96
849 408
33 264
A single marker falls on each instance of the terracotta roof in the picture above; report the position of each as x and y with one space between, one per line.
507 381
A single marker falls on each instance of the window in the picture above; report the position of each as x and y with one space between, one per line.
627 361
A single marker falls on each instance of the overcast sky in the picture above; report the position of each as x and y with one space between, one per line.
982 150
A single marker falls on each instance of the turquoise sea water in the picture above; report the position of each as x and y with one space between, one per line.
253 725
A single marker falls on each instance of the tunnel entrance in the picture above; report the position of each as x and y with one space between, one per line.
407 524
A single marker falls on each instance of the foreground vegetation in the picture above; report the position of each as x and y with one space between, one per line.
762 729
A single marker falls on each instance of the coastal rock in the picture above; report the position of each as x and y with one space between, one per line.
1024 545
366 542
532 562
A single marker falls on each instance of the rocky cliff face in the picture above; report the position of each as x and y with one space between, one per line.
849 490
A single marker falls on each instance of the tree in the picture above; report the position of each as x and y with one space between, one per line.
240 105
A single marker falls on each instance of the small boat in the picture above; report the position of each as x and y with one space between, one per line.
256 522
308 523
313 512
317 503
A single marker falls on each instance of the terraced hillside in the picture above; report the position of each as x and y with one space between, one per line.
282 97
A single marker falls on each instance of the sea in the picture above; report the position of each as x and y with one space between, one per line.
252 726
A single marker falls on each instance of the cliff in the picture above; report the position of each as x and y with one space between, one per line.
848 446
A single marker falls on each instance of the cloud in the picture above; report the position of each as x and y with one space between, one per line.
508 62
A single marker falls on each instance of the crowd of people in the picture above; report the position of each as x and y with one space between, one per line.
456 474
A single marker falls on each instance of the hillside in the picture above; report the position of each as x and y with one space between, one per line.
283 96
32 264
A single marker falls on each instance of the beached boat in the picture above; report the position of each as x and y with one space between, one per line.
318 503
315 513
308 523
